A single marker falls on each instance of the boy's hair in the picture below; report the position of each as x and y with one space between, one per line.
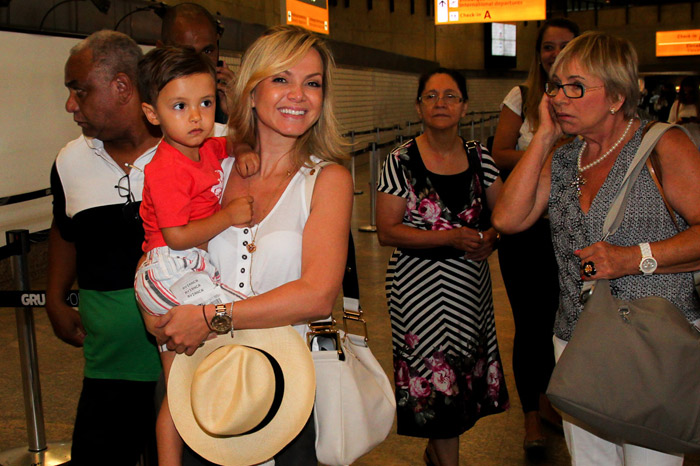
161 65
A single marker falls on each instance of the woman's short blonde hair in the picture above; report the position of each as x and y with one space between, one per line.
611 59
279 49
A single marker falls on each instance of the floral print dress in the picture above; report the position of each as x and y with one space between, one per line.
447 368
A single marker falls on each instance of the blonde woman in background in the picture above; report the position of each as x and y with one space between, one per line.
533 359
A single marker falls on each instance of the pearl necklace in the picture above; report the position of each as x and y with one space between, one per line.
580 180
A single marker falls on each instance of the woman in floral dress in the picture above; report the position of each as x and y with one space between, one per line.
433 205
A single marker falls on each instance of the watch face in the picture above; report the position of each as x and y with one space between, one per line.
221 323
648 265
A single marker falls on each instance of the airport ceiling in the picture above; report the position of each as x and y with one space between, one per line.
579 5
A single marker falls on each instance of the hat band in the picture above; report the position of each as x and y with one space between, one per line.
279 392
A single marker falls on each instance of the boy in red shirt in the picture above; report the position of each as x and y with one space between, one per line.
180 208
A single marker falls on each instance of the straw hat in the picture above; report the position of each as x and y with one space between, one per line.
238 401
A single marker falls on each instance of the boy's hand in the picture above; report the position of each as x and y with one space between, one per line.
247 161
239 210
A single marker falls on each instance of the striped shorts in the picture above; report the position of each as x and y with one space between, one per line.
168 278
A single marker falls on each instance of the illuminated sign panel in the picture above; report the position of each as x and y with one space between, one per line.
488 11
677 43
309 14
503 40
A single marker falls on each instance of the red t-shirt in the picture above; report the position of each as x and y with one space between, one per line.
177 190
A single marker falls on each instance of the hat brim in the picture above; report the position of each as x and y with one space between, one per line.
286 346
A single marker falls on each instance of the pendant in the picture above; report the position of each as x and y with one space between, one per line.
577 183
251 247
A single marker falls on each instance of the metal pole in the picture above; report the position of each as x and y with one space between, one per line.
27 346
38 452
352 162
371 228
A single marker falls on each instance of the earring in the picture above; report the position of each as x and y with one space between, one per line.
612 110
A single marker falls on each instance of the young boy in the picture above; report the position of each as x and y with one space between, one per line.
180 208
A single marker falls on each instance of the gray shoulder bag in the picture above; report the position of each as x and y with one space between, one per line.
630 370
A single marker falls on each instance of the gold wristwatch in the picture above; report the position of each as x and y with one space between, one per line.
222 322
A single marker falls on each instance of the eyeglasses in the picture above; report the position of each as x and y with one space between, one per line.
572 91
432 98
130 209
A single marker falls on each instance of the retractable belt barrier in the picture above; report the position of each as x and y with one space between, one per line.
33 298
37 453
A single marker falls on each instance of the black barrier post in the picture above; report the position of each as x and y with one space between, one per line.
352 162
373 157
37 453
27 346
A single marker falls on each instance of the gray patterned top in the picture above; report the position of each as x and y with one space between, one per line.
646 220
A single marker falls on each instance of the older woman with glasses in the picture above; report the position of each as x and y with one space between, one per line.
433 205
593 93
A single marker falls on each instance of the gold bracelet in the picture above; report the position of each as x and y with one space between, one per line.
204 313
231 316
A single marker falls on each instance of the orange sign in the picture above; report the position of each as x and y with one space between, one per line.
488 11
309 14
677 43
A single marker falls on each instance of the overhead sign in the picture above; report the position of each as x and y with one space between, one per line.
488 11
677 43
309 14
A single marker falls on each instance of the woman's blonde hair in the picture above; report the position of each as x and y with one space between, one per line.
611 59
277 50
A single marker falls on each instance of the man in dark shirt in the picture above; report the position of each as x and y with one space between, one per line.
96 237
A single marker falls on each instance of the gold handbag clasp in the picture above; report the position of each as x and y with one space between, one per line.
325 329
355 316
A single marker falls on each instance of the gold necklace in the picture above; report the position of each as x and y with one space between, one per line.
252 247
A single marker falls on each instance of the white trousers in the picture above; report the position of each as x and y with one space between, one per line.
589 449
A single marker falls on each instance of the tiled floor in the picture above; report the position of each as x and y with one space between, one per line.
495 440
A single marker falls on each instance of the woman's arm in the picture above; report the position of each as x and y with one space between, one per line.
680 169
525 193
311 297
391 230
506 139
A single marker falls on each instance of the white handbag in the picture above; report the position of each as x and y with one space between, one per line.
355 404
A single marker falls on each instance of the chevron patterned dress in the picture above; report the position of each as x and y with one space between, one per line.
447 368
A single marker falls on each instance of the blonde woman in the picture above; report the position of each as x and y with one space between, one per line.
290 259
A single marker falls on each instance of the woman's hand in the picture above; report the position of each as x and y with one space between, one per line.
604 260
477 245
486 245
151 323
464 238
184 328
549 125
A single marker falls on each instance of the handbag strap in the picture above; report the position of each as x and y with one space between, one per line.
617 209
352 311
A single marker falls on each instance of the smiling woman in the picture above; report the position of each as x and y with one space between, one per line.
289 259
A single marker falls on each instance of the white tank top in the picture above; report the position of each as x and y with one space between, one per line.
277 257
